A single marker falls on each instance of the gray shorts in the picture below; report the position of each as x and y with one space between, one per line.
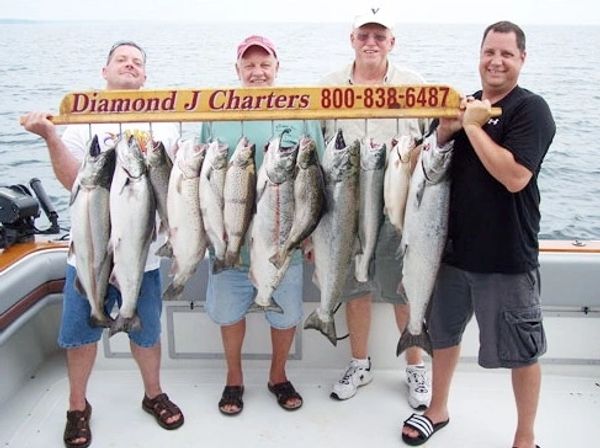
507 309
385 271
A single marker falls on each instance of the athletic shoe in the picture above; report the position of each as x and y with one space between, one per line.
356 375
419 387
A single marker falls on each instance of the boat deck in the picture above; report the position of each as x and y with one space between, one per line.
34 385
482 410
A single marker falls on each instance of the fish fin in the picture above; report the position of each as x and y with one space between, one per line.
401 251
401 291
71 249
103 321
315 280
420 193
113 280
270 306
414 340
358 247
126 324
315 322
173 292
218 266
74 193
276 259
166 250
79 287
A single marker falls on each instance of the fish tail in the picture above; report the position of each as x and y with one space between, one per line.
218 266
231 260
361 268
414 340
166 250
271 306
276 260
315 322
173 292
126 324
102 321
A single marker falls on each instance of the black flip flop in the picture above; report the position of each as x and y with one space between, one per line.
424 426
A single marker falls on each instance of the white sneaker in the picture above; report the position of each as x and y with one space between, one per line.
419 387
354 377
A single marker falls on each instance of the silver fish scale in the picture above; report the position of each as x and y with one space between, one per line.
186 233
90 237
273 219
334 237
425 231
370 215
132 214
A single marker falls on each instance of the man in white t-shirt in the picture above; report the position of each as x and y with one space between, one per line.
125 69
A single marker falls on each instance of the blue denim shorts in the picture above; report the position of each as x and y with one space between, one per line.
230 293
75 329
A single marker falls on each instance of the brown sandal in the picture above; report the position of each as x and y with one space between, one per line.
232 396
78 427
285 392
162 409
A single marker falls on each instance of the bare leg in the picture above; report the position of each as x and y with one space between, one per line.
526 382
358 318
413 355
233 339
444 363
148 361
282 342
80 361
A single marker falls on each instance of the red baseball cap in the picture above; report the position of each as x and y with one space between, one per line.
259 41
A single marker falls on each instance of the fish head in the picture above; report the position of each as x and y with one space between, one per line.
156 154
307 153
372 154
281 164
435 161
216 154
345 162
130 157
244 153
190 156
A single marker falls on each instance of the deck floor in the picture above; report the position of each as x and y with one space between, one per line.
482 411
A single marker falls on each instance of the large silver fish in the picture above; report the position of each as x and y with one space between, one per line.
89 238
424 237
397 180
370 215
212 183
186 228
273 220
159 169
239 193
309 200
335 235
133 220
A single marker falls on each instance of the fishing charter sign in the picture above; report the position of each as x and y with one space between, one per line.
259 103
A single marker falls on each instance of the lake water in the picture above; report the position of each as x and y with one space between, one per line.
43 61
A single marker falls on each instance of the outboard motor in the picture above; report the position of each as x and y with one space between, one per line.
18 211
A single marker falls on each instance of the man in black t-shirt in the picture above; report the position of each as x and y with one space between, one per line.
490 266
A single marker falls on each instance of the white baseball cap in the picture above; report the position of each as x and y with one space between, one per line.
374 15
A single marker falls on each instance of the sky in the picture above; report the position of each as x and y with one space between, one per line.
525 12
